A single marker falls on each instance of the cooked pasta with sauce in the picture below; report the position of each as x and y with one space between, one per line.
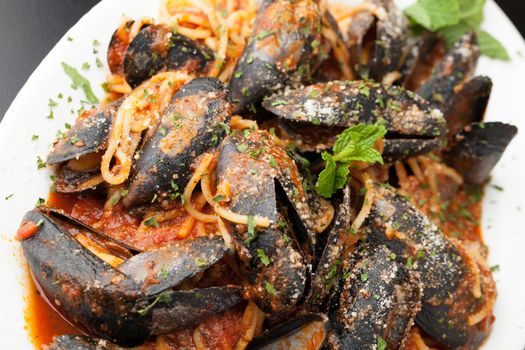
283 174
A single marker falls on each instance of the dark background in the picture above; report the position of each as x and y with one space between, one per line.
30 28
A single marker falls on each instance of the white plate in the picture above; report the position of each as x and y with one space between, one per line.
503 215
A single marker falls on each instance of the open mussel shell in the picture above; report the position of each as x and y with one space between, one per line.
304 332
478 148
281 49
190 126
118 46
113 246
118 304
245 169
325 281
446 271
88 135
456 67
380 299
378 42
71 180
157 48
469 104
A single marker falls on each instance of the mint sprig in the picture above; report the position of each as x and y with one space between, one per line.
354 144
452 19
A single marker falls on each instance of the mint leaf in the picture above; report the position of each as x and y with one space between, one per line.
491 47
471 12
80 81
433 14
453 33
341 174
354 144
326 181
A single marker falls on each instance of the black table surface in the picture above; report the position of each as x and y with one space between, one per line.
30 28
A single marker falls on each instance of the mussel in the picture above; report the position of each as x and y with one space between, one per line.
192 124
377 41
456 67
378 303
284 47
254 176
127 303
157 48
452 291
77 154
478 148
414 126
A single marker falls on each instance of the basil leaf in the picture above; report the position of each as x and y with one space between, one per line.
433 14
491 47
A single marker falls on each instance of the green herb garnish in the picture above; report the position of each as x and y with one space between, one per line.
80 81
270 288
452 19
40 163
264 34
381 343
163 297
251 229
354 144
151 222
264 258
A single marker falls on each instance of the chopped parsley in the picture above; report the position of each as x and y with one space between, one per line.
200 262
40 163
251 229
494 268
9 196
410 262
74 139
242 147
34 137
164 272
364 277
263 257
279 103
270 288
80 81
219 198
151 222
163 297
40 202
381 343
264 34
